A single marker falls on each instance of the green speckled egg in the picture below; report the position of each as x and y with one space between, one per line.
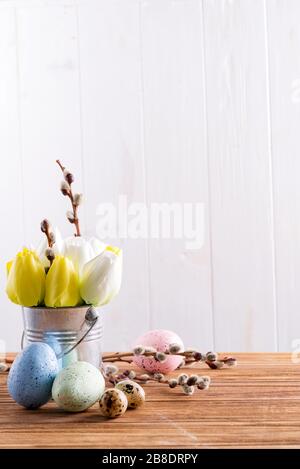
77 387
113 403
133 391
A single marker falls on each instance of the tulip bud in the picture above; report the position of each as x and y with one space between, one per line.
62 285
26 279
65 188
68 176
77 199
101 277
114 249
8 267
81 250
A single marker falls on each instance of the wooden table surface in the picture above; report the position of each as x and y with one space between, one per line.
256 404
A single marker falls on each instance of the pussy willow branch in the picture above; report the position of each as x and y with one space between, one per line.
49 238
188 357
46 229
74 206
118 355
188 383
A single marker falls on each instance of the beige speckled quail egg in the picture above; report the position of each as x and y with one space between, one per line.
113 403
133 391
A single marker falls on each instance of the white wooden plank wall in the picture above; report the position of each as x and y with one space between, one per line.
112 144
176 162
284 59
172 101
11 187
240 175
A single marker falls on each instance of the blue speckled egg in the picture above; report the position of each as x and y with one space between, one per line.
32 374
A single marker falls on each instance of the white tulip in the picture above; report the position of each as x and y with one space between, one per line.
97 245
81 250
43 245
101 277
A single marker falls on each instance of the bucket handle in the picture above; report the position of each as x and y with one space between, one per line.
91 318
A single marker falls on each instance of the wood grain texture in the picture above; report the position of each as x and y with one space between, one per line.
256 404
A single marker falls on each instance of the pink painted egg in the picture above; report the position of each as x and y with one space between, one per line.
160 340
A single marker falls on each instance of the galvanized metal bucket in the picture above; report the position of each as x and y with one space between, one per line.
75 334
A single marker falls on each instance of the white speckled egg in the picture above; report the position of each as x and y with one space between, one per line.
78 386
113 403
133 391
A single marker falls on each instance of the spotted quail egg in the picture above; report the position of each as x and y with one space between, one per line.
133 391
113 403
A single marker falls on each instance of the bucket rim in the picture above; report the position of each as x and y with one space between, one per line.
35 308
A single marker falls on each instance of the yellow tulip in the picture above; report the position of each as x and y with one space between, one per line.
8 266
26 279
62 284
